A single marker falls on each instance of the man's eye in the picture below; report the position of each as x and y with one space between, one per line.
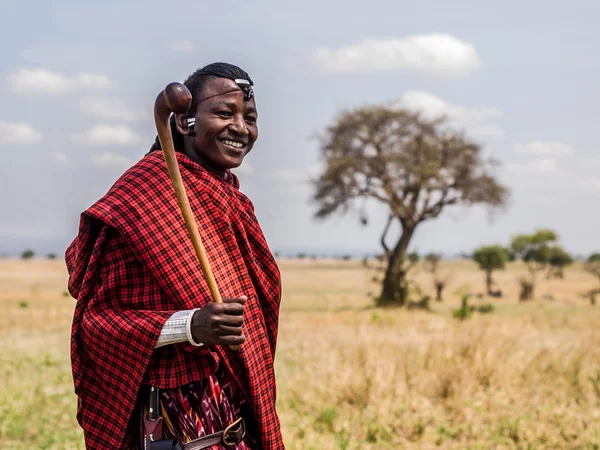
224 113
251 119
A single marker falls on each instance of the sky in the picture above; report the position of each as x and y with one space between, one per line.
78 82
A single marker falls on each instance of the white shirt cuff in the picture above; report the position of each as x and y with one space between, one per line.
177 329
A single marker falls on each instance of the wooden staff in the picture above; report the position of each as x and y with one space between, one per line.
176 98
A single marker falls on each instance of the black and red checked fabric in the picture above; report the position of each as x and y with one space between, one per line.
132 265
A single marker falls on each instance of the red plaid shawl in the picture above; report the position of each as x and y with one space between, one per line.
132 265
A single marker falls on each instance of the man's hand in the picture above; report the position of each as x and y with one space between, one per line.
220 323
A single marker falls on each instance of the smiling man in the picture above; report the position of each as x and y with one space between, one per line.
227 112
151 360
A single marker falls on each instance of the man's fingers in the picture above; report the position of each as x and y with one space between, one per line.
225 330
241 300
233 340
233 320
233 306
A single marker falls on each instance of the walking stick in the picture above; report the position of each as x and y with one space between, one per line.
176 98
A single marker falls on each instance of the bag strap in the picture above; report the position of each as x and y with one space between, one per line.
154 408
153 423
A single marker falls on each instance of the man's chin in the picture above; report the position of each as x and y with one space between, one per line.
228 163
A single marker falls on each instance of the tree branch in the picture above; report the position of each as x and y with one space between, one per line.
436 209
384 234
387 185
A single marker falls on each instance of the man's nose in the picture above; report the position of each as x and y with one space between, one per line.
239 125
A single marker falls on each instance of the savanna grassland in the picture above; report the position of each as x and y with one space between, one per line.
350 376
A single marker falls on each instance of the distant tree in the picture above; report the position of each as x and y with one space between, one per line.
490 258
431 263
414 166
51 256
301 255
27 254
511 254
534 250
594 257
592 266
558 260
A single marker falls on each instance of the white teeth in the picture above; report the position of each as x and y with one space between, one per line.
233 144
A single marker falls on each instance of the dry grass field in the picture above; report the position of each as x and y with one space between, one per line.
350 376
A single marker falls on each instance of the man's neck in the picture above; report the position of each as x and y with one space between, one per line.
196 157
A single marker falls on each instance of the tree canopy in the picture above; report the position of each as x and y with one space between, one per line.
414 166
491 257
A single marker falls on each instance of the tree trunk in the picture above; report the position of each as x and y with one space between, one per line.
439 287
528 286
488 281
394 291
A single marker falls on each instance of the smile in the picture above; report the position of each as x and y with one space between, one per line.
233 144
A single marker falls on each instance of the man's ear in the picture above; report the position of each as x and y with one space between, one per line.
181 122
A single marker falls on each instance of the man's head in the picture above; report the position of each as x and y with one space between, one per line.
220 128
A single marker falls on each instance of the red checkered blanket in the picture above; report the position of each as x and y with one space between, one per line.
132 265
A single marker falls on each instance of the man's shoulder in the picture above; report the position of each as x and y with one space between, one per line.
136 187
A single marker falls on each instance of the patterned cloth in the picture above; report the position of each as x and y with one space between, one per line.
132 266
202 408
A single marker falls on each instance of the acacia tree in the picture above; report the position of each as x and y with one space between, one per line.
431 263
559 259
27 254
413 166
490 258
534 250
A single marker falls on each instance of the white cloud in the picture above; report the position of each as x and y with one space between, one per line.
543 165
107 135
439 54
183 46
92 81
31 81
477 121
109 109
536 166
108 160
542 148
486 131
62 159
20 133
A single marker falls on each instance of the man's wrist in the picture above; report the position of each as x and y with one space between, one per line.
188 328
177 329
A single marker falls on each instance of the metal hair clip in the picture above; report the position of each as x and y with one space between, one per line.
246 87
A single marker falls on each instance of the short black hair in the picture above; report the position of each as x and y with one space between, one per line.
196 83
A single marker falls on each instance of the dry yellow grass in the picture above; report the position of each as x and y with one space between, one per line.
351 376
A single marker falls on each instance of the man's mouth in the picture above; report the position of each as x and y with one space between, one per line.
234 144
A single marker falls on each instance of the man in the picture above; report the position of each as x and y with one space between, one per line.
145 333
